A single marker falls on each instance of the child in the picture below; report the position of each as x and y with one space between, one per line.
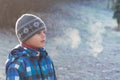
29 60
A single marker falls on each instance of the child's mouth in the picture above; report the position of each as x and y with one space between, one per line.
43 41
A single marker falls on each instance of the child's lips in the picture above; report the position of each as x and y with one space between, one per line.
43 41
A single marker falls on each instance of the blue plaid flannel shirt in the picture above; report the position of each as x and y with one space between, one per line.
27 64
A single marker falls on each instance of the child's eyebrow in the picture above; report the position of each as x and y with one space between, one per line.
41 31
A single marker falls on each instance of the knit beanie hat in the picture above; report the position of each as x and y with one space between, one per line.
27 25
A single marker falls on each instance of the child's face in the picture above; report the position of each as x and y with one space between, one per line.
38 40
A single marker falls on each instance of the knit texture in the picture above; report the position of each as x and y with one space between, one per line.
27 25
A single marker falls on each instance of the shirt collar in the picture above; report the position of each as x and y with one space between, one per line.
29 46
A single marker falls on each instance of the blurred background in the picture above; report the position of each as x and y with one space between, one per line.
82 37
11 10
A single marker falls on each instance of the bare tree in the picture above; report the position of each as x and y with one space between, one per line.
117 13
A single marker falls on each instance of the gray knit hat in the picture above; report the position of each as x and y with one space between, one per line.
27 25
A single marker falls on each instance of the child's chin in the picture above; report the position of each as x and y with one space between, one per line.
41 46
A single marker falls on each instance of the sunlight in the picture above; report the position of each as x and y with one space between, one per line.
95 41
74 36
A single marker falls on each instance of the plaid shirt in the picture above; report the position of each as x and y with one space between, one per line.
29 64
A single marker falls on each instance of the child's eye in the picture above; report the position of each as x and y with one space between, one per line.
38 32
44 32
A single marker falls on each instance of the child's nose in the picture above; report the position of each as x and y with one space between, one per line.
43 35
